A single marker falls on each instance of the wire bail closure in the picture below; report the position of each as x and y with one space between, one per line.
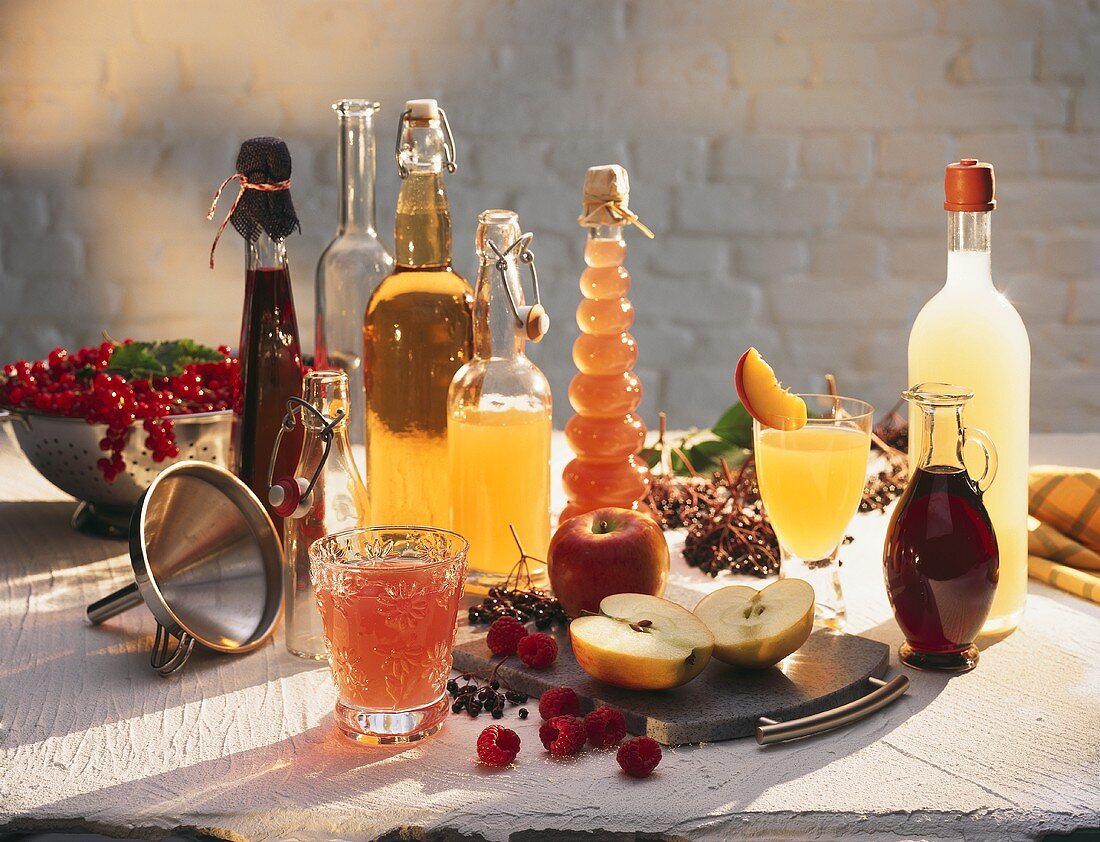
450 155
326 434
532 318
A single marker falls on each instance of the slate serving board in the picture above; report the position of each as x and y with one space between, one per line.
723 703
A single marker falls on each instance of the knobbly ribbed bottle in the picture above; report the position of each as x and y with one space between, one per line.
417 332
605 434
355 261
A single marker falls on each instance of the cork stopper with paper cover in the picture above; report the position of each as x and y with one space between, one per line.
607 199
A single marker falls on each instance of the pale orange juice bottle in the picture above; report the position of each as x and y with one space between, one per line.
499 416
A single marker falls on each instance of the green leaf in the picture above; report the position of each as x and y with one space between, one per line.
706 456
735 426
139 360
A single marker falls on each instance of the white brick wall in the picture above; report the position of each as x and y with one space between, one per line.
788 154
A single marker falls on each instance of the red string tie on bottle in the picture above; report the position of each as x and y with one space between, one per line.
245 184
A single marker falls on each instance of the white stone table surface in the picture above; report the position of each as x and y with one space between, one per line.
245 747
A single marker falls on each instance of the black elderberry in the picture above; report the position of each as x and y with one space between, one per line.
494 684
457 706
452 687
523 713
498 713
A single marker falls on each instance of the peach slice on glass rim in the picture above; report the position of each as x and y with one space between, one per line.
764 397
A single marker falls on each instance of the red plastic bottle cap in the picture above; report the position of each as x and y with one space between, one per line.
969 185
284 496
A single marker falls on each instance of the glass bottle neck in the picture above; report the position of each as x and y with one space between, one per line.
608 232
355 162
265 253
968 244
941 436
496 333
327 392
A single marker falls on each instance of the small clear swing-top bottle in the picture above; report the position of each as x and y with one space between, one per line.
325 495
499 414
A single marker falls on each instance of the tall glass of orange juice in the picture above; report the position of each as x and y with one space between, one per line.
389 597
811 481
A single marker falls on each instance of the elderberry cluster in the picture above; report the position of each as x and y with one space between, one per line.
525 605
474 697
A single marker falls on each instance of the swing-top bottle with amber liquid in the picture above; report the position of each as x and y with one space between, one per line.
417 332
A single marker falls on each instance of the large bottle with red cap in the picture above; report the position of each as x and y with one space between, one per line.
970 334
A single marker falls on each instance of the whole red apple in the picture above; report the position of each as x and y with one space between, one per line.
604 552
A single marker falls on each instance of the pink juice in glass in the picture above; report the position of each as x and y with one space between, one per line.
389 603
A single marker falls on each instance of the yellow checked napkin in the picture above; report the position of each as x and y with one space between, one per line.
1064 529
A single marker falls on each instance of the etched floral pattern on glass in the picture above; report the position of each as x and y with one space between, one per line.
389 602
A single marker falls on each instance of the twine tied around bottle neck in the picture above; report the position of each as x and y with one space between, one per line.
245 184
607 199
598 215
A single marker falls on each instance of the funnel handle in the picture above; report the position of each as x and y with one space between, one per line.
166 662
121 600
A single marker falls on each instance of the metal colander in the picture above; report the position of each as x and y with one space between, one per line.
65 451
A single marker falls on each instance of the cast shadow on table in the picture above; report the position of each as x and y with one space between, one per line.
56 543
117 680
320 763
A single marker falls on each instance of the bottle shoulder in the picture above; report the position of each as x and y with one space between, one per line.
362 256
488 379
988 305
442 283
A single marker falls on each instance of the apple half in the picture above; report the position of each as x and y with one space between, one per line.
641 642
764 397
758 628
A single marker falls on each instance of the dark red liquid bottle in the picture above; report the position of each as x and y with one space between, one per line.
940 559
271 371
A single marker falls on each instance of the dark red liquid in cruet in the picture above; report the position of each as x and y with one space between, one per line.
271 372
941 561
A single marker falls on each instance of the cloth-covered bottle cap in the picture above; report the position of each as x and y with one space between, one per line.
607 198
969 185
265 160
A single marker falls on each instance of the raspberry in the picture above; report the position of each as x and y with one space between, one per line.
639 756
562 735
504 635
497 746
559 701
605 727
538 650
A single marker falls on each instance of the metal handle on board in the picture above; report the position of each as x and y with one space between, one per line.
772 731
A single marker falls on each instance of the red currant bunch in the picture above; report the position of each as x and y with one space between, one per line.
78 385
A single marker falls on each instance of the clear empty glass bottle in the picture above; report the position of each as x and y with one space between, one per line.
356 260
325 495
499 414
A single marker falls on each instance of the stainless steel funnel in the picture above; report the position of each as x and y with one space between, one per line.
207 562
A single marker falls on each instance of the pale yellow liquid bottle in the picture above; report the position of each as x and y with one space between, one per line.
969 334
417 332
500 418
